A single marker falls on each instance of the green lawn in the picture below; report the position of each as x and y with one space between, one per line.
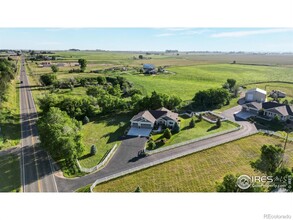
201 129
9 117
198 172
104 133
9 174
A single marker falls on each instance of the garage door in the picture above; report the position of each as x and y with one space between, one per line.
143 132
249 97
146 126
135 124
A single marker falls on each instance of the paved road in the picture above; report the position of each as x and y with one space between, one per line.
36 172
120 164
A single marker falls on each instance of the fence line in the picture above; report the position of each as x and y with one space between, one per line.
100 165
163 160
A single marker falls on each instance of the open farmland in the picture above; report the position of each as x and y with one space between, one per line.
188 80
198 172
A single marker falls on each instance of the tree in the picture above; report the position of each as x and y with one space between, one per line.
138 189
219 123
229 184
152 145
167 133
48 79
282 178
54 68
176 128
60 135
211 98
140 57
192 123
83 64
85 120
199 117
93 150
231 83
270 159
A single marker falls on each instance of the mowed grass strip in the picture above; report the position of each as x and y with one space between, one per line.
104 133
201 129
9 173
198 172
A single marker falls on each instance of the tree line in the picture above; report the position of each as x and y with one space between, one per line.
7 73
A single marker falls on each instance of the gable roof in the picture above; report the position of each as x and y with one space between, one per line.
146 115
281 110
255 105
257 90
153 115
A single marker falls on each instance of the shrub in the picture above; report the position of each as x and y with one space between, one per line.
138 189
167 133
218 123
85 120
176 128
192 123
93 150
152 145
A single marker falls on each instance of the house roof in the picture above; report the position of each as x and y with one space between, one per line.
145 114
148 66
281 110
153 115
255 105
257 90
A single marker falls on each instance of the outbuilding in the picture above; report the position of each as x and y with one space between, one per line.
255 95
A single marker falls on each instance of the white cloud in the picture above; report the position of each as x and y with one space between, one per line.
194 32
49 43
249 33
164 35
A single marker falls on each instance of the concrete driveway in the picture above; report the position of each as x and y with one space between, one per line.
143 132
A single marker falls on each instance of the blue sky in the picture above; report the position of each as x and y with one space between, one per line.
150 39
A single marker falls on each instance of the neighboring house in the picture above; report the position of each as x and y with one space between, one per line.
60 64
277 94
149 69
150 118
45 64
270 109
255 95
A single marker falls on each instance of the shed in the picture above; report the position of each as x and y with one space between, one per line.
255 95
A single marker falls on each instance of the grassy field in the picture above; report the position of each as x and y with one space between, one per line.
9 174
9 116
189 79
201 129
104 133
200 171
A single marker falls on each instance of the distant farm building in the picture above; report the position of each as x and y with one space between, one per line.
255 95
149 69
